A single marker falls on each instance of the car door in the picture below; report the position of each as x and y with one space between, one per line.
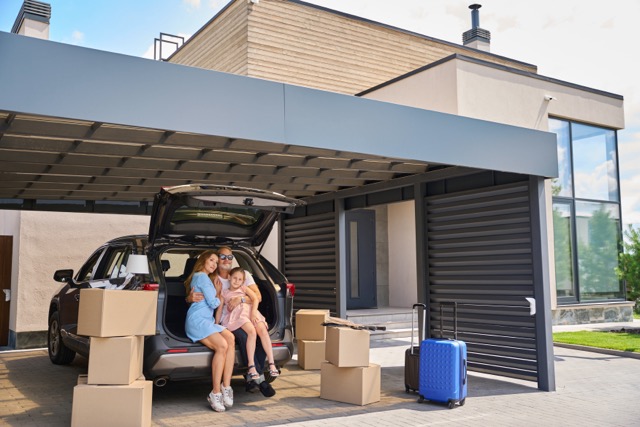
106 267
69 301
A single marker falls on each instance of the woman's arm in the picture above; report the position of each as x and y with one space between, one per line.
203 284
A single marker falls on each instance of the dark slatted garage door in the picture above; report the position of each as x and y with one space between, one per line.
310 260
479 252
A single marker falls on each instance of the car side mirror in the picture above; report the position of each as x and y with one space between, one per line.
64 276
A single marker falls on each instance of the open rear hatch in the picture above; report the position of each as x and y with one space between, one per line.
216 213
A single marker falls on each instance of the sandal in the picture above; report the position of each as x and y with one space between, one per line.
252 375
273 372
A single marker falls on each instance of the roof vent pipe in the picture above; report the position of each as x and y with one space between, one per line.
476 37
475 15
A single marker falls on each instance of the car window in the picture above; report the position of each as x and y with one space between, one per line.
115 263
86 271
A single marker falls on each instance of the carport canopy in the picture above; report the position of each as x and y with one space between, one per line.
79 125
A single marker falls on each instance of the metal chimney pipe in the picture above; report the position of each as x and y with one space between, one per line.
475 15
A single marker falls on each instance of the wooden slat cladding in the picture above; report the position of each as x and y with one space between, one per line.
302 45
479 250
221 45
310 260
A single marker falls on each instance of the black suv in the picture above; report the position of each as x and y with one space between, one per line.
185 221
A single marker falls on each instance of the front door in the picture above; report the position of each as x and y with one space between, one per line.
6 249
361 259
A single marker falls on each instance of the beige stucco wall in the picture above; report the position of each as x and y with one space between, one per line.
403 285
49 241
482 92
35 29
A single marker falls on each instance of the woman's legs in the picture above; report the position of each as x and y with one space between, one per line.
220 347
230 357
251 345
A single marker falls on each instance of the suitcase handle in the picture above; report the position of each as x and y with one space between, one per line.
455 319
424 314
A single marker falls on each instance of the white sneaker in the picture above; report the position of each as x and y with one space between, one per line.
215 400
227 396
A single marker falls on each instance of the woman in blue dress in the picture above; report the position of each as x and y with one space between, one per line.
200 326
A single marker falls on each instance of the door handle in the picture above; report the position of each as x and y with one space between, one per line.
77 297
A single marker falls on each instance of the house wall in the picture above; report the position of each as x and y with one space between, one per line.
303 45
474 90
403 285
48 241
221 47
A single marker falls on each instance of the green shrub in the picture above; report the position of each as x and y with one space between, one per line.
629 265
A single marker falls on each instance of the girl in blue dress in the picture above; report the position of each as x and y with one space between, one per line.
200 326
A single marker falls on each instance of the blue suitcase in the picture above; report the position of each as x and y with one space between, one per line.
443 367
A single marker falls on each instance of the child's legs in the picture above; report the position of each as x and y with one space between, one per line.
251 341
265 339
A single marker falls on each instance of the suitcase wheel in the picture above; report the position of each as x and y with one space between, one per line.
420 399
452 404
407 389
462 401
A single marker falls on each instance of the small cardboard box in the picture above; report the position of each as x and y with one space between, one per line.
309 324
112 405
117 313
359 386
311 354
347 347
116 360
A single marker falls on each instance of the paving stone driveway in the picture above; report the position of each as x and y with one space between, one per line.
592 390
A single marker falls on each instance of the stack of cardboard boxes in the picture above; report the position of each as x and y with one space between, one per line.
114 392
341 354
311 336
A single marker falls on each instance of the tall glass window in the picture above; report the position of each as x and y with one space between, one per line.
586 213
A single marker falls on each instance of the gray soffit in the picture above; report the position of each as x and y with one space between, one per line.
82 124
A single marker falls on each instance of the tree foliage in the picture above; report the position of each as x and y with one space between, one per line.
629 265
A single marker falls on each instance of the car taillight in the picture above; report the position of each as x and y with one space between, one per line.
178 350
277 344
291 288
150 287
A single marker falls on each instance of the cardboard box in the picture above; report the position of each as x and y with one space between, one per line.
112 405
359 386
309 324
347 347
117 313
116 360
311 354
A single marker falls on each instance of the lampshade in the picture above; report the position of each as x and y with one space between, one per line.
137 264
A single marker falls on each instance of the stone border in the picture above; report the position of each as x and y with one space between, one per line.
599 350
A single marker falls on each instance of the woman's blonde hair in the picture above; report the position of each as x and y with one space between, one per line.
198 266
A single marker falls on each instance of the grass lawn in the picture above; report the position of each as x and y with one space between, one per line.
610 340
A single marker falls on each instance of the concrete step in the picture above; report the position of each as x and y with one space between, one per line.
397 321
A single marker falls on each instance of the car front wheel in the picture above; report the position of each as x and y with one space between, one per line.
59 353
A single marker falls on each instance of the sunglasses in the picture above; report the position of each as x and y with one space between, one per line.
229 257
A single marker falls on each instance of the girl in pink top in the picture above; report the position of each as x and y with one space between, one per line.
248 318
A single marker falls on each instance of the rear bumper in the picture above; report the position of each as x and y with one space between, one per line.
196 361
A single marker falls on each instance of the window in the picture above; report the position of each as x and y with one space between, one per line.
86 271
115 264
586 213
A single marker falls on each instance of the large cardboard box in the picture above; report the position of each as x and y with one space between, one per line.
309 324
116 360
359 386
347 347
117 313
112 405
311 354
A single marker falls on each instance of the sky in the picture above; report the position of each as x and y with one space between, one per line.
586 42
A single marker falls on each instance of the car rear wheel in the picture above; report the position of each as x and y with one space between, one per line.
59 353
